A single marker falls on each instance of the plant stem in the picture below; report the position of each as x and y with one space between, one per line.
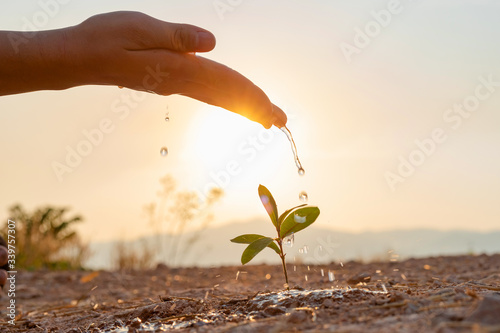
282 256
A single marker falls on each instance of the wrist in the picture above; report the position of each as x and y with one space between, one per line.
91 58
39 61
63 58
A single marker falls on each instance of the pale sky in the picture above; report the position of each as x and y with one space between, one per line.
361 81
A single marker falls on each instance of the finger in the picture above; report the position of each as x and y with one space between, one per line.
178 37
222 86
241 104
186 38
279 117
209 82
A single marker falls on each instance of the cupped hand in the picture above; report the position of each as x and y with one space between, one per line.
137 51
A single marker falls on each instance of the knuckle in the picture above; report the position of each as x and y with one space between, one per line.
183 39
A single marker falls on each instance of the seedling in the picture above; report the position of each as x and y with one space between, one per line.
287 224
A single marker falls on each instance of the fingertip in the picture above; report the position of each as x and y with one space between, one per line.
279 117
205 41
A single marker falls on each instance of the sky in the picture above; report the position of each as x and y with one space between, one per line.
394 107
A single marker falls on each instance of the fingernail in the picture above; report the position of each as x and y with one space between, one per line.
206 41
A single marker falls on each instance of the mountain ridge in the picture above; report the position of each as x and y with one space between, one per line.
314 245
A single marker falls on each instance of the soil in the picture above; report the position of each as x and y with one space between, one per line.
438 294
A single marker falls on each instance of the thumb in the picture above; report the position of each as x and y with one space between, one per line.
186 38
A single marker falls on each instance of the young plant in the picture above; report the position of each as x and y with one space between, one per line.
290 222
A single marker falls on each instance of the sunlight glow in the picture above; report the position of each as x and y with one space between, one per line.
230 151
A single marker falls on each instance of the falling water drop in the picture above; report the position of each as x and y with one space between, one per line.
167 117
303 196
331 276
164 151
294 150
289 240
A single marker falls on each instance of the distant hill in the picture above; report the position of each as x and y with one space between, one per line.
314 245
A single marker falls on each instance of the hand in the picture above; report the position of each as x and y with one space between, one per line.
137 51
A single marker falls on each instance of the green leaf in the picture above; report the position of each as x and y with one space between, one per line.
250 238
285 214
269 204
254 248
298 219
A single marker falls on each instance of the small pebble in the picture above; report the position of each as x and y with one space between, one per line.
487 312
328 303
362 277
275 310
297 317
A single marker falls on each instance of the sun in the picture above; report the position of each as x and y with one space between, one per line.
230 149
219 136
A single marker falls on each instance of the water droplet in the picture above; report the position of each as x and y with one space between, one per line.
299 219
164 151
303 196
237 274
289 240
167 117
331 276
306 249
301 250
294 150
322 272
305 277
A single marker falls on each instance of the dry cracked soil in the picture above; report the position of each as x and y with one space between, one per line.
436 294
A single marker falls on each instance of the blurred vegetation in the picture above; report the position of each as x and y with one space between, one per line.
46 238
175 212
125 257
